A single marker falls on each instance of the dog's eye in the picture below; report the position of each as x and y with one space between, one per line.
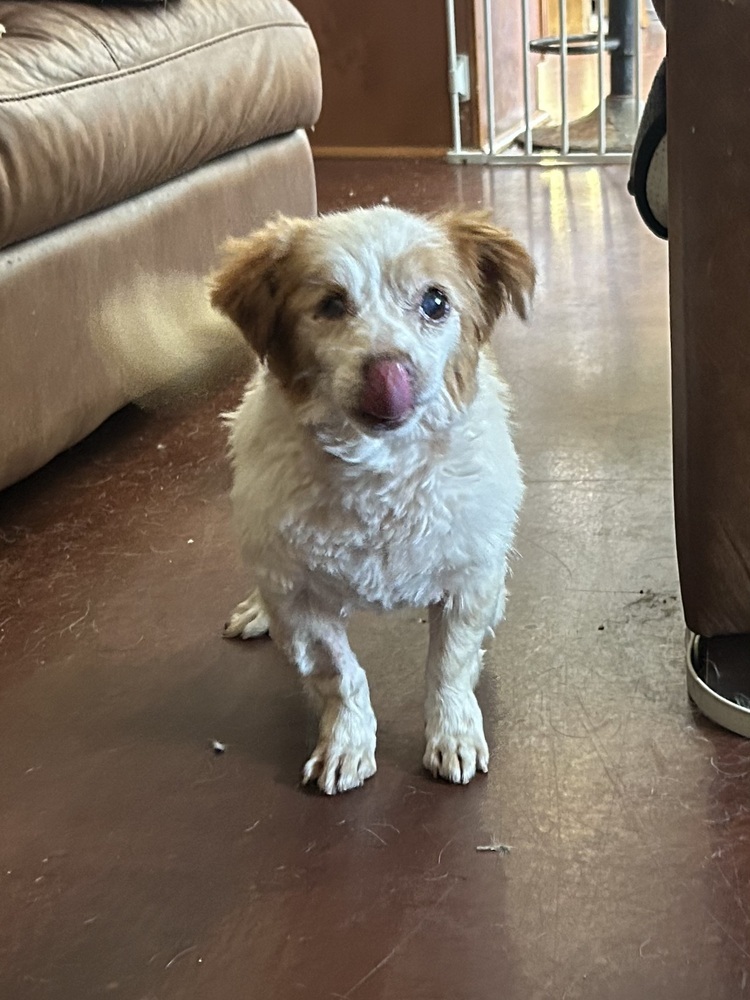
333 306
435 304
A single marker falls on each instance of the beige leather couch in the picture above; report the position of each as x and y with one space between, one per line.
133 138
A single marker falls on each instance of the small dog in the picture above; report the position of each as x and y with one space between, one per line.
373 461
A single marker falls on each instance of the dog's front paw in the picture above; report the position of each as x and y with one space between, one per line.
345 755
456 747
249 619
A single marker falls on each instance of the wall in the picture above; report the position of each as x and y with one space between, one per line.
384 75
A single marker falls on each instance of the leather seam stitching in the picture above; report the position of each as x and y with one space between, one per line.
160 61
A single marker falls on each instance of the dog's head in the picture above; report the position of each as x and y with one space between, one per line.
374 316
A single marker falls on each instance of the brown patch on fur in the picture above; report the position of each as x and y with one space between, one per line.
494 262
288 359
253 289
499 274
461 370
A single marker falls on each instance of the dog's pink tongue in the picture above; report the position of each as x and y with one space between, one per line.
388 392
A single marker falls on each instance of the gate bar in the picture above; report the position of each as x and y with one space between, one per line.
489 69
528 144
600 60
565 125
450 10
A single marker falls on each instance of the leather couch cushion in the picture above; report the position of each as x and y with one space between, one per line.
100 103
72 354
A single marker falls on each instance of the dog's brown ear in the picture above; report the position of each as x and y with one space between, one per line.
249 287
498 266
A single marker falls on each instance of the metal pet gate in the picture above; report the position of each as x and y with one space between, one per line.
605 135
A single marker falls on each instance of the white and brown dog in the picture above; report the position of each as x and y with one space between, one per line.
373 461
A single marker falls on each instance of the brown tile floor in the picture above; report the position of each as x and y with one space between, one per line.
136 864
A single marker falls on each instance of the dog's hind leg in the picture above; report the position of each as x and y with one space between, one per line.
344 756
456 747
249 620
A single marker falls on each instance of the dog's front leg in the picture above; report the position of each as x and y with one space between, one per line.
318 645
456 747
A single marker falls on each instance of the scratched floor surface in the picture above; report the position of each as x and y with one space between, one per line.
136 863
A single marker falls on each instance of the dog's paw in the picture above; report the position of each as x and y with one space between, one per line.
456 747
339 769
345 757
249 619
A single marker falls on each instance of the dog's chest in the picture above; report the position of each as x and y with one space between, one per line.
390 540
402 526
